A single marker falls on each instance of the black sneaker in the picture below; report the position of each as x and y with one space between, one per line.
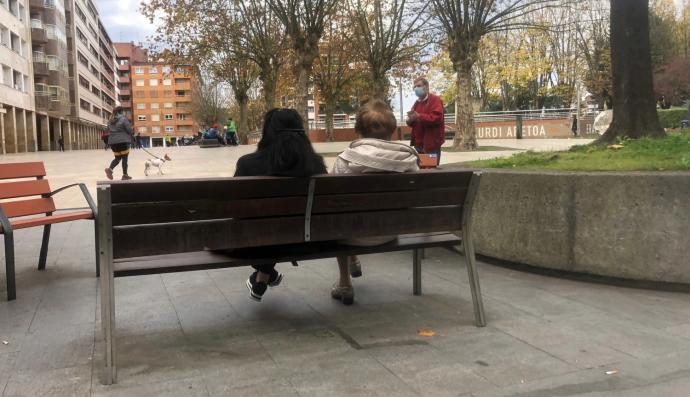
274 279
256 289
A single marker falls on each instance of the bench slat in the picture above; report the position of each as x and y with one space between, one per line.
336 203
206 189
15 209
422 180
179 211
24 188
204 260
161 212
154 239
384 223
22 170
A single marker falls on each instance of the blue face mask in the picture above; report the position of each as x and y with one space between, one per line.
419 91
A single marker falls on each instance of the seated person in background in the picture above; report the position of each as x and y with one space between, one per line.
284 150
212 132
373 153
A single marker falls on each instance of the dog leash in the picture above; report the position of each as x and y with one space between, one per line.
151 154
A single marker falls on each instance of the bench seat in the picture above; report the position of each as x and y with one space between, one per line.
204 260
49 220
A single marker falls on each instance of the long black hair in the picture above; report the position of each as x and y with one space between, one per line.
288 148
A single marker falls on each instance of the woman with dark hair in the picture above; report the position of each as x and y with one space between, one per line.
119 139
284 150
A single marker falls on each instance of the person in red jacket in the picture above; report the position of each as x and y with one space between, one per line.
426 120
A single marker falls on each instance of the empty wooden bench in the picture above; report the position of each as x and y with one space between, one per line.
150 227
27 201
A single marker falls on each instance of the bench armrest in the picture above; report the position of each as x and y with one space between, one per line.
85 192
5 224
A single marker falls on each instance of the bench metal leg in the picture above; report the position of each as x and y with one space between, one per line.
470 258
97 243
107 283
44 248
9 265
417 272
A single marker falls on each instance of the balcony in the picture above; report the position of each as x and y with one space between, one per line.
41 69
126 104
123 67
38 35
124 80
59 107
126 92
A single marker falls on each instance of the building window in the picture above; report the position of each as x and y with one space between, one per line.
153 70
140 94
139 83
155 105
153 82
153 94
142 130
181 116
167 82
155 117
169 128
167 93
141 117
168 116
168 105
138 70
166 69
155 129
141 106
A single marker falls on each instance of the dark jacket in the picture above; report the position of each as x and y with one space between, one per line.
428 132
120 130
258 164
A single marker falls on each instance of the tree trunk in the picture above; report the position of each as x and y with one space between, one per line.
302 90
465 134
634 105
330 110
269 92
243 126
378 87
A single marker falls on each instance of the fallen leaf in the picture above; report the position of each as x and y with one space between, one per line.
615 146
612 372
426 332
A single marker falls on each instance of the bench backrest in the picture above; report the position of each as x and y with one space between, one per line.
21 196
172 216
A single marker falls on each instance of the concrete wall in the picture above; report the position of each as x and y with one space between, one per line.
628 225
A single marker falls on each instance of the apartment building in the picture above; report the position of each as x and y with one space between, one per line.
127 54
91 68
162 102
17 121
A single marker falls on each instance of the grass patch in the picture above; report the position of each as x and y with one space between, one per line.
669 153
482 149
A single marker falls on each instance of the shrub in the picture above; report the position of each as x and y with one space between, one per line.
671 118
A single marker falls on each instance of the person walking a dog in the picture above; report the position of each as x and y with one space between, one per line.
120 139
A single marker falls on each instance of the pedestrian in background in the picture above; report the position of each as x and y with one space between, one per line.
120 138
426 120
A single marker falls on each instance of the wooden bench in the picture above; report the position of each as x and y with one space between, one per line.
150 227
21 200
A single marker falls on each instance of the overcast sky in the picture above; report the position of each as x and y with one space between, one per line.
124 21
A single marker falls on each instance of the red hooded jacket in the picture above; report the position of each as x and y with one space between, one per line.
428 131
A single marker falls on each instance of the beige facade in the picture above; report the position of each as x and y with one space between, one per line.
91 65
17 127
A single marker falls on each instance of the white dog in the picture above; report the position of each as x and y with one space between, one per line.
157 162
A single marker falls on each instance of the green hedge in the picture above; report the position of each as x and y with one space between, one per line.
671 118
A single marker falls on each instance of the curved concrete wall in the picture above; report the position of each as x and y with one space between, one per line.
628 225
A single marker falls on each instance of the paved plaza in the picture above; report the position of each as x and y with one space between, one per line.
198 333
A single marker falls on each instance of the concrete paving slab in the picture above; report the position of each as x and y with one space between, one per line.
199 334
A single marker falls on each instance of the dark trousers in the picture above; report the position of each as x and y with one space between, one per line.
267 268
121 151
